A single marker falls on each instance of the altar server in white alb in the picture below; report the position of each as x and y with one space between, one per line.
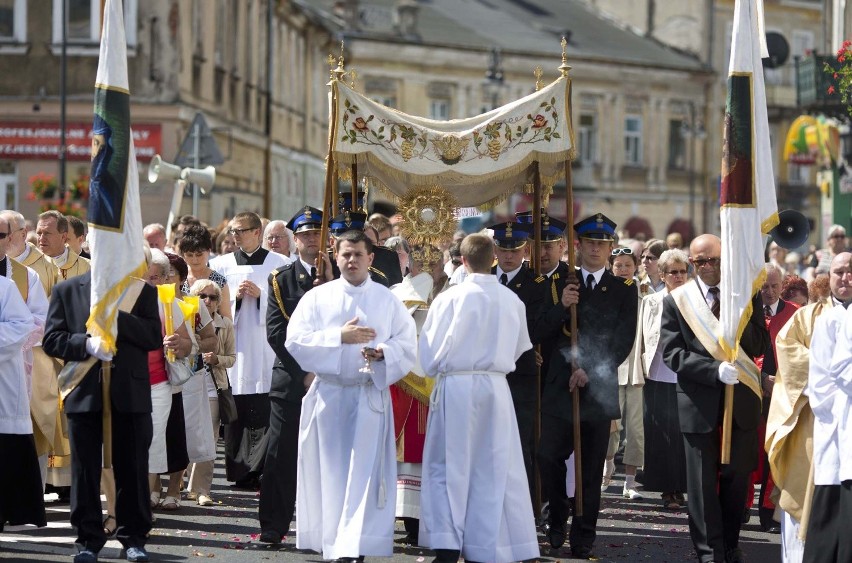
830 394
247 270
346 484
475 499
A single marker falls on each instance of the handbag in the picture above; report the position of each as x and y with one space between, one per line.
227 405
179 372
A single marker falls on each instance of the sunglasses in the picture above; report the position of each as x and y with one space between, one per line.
620 251
838 235
701 262
676 272
206 296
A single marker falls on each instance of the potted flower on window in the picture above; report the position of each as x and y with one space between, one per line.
42 186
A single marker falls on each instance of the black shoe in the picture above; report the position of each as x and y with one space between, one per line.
734 556
86 556
446 556
270 536
746 516
251 484
582 552
556 534
771 528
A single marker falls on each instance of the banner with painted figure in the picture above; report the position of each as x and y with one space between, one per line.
492 151
114 213
748 204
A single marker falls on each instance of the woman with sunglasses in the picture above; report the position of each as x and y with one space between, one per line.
651 280
215 376
624 264
665 464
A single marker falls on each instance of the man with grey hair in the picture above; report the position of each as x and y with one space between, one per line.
278 238
776 312
27 253
52 230
837 243
155 235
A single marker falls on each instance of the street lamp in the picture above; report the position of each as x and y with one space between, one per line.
691 129
494 78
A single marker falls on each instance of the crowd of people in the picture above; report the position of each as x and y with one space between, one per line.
375 380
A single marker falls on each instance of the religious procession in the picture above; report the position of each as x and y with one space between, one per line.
446 349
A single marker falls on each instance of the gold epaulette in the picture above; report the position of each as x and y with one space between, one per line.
540 279
381 273
555 276
628 281
277 291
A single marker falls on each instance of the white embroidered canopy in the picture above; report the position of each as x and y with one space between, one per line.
479 160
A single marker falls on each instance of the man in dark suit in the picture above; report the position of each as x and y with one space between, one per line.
139 332
607 307
286 286
511 243
716 496
385 268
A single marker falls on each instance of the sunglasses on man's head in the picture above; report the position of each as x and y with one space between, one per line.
620 251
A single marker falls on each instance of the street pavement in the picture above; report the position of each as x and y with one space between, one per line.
628 531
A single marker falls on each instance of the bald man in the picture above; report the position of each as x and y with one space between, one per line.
716 496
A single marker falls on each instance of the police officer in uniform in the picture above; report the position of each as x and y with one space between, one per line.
511 241
606 307
289 381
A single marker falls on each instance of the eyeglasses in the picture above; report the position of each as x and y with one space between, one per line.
650 257
271 238
206 296
701 262
456 262
236 232
154 277
676 272
620 251
837 235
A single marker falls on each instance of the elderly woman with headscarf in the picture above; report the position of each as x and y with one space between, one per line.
665 464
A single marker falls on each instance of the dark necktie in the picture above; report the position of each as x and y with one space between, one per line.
590 281
504 279
715 307
767 311
3 266
313 273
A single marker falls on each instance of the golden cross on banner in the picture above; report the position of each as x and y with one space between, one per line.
564 68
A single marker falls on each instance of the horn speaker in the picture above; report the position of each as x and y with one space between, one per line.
158 169
792 230
202 177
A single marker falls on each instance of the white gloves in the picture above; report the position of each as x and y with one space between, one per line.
95 347
728 373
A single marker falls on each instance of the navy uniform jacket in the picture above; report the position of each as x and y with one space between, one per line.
286 286
384 271
606 325
138 333
699 391
530 293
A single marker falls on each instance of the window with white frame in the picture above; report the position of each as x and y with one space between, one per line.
587 138
84 19
13 21
633 140
439 109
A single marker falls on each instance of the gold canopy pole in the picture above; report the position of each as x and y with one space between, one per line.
564 68
330 180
